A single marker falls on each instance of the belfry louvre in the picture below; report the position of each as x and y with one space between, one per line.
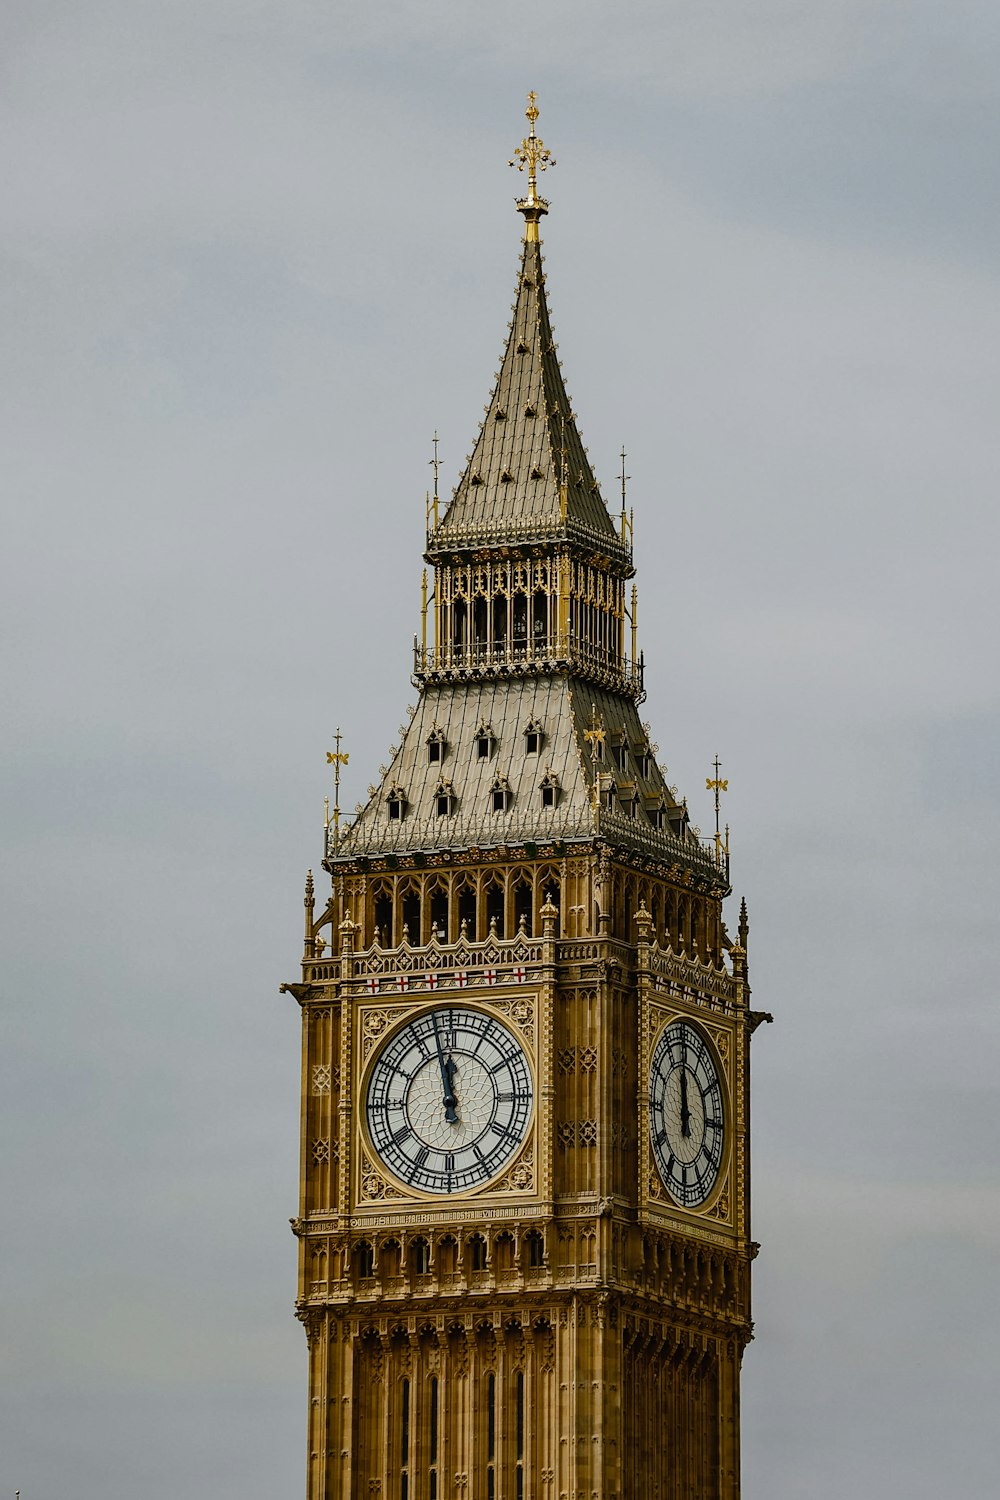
524 1238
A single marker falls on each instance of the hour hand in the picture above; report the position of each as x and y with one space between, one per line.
685 1112
448 1071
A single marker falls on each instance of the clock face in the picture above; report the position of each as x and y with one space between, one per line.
686 1124
449 1100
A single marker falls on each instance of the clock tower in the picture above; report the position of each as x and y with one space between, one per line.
524 1237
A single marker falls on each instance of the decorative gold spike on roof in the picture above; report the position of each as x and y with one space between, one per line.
536 156
336 759
595 734
719 784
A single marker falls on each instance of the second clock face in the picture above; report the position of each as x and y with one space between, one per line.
449 1100
686 1114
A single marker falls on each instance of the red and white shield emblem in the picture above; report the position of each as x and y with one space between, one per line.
461 978
520 975
432 980
403 980
373 986
490 975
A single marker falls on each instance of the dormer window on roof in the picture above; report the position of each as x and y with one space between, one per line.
549 788
444 799
534 736
500 794
396 803
486 742
437 744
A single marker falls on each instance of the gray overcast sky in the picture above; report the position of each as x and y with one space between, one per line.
253 254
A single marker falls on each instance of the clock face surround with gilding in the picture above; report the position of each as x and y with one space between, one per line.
686 1114
448 1100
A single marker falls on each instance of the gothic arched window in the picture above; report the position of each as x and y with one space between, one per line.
420 1257
535 1243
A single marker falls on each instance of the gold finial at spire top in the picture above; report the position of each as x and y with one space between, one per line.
536 156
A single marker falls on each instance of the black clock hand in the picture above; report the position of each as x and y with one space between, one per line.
685 1112
450 1101
448 1071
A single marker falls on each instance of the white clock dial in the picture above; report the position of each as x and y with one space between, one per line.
686 1123
449 1100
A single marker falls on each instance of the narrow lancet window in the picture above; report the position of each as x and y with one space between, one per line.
491 1435
404 1443
519 1472
433 1444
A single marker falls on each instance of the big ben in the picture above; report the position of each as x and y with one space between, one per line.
524 1236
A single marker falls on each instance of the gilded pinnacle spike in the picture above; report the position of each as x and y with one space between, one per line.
595 734
536 156
718 785
335 758
435 464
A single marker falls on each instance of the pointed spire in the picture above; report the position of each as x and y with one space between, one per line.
529 477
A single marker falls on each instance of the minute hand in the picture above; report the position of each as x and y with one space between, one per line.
447 1076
